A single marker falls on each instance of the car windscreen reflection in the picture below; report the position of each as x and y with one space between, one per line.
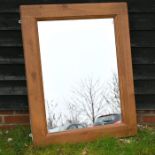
108 119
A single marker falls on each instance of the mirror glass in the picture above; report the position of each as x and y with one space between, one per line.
80 73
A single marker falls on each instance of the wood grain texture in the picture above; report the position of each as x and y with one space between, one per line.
143 100
141 13
18 102
135 6
143 56
33 13
146 72
142 21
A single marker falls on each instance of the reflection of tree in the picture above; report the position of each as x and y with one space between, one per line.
73 113
88 99
53 118
92 99
112 95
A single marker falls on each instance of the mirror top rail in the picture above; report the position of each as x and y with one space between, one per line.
73 11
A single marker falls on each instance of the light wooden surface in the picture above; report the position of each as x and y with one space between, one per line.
33 13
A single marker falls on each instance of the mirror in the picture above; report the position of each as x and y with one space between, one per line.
80 73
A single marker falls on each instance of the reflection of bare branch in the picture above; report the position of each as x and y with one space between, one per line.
88 99
92 99
53 118
73 113
112 97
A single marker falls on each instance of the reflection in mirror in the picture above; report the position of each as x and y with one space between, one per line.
80 74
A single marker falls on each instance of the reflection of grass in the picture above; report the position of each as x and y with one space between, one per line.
18 141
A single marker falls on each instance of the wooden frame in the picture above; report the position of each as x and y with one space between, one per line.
29 17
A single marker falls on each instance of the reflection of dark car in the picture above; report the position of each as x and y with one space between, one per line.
68 126
75 126
108 119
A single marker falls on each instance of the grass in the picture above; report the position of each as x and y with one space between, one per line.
18 142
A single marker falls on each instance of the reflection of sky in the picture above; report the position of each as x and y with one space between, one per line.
73 50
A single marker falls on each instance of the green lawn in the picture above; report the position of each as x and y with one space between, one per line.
18 141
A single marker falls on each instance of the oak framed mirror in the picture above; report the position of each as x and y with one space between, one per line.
79 71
